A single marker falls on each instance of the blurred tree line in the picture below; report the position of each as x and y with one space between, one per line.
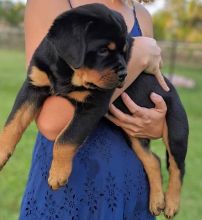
180 20
11 13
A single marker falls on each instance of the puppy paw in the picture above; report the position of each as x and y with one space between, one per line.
157 203
59 174
172 206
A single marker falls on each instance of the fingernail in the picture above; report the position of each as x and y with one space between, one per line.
124 95
167 89
155 96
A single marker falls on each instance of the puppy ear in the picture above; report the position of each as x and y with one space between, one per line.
68 36
129 43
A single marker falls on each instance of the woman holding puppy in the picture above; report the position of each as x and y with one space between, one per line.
107 181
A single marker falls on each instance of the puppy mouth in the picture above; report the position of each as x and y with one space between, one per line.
109 80
91 86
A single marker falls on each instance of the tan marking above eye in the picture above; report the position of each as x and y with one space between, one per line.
111 46
79 96
38 77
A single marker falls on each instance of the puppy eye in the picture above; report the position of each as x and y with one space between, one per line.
104 51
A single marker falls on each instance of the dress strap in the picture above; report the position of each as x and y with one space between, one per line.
136 19
134 10
70 4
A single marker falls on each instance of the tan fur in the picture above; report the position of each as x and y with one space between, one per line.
39 78
61 166
79 96
13 131
112 46
174 185
77 79
153 170
84 76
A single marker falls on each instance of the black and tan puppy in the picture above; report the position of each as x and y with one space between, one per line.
84 58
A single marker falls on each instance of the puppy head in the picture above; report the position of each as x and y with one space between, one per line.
94 41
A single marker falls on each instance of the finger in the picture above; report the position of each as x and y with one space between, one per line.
123 125
131 105
135 134
159 102
117 122
129 132
119 114
112 119
161 80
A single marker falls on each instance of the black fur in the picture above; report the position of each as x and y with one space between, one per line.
76 40
176 118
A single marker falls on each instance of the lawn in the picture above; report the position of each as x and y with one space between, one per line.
14 175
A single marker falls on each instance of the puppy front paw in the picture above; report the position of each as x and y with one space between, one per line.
59 174
172 205
157 203
61 166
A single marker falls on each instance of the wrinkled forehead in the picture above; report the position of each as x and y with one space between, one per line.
104 34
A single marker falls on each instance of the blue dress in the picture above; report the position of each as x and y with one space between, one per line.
107 182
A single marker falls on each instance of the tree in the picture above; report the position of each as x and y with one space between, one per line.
12 13
181 19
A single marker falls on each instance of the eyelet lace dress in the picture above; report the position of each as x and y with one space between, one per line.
107 182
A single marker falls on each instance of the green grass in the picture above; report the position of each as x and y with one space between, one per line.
191 202
14 175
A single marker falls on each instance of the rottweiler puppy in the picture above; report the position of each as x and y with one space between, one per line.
83 58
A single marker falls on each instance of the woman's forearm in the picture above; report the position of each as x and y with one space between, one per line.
135 67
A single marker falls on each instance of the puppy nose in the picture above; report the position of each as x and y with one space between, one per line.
122 76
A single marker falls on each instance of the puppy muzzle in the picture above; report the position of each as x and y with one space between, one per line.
122 75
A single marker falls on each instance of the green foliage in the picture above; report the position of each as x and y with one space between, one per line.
13 177
12 13
181 20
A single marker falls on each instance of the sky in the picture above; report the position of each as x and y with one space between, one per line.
155 6
152 8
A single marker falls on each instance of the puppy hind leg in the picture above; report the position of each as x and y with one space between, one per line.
24 110
172 196
152 167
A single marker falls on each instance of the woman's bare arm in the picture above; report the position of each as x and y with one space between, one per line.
146 54
143 123
39 15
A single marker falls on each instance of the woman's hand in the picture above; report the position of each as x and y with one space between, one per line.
143 123
150 54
